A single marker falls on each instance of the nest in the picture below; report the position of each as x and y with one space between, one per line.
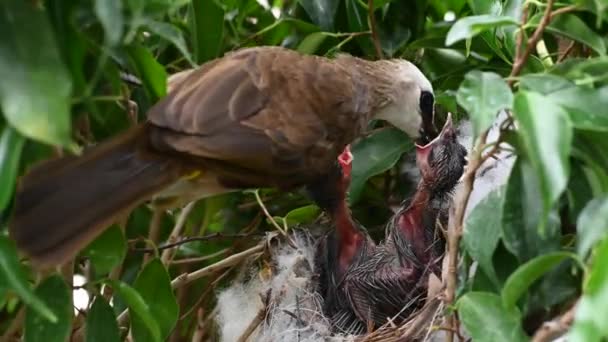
274 300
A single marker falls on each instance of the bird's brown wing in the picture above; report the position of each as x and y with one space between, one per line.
265 110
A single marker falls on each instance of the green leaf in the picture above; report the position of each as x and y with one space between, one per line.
483 94
110 16
322 12
13 275
312 42
101 323
139 310
56 294
107 251
36 87
519 281
207 28
592 310
482 231
486 319
469 27
592 225
374 155
173 35
492 7
152 73
154 286
544 83
546 134
303 215
585 107
11 145
522 215
571 26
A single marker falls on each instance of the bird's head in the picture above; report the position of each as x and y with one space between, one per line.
441 162
411 102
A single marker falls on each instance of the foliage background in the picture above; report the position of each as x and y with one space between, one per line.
528 252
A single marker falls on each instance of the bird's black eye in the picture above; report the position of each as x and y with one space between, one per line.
427 100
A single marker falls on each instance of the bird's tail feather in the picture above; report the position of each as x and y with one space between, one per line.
63 204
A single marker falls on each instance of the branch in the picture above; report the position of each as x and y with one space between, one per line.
214 236
374 29
555 328
177 231
520 60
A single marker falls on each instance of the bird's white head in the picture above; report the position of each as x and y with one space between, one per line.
410 105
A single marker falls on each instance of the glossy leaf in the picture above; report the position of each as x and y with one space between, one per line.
303 215
101 323
110 15
107 251
152 73
173 35
486 319
546 134
374 155
571 26
544 83
140 311
592 225
483 230
35 87
322 12
592 309
483 94
207 28
522 215
469 27
154 286
585 107
312 42
56 294
14 278
11 145
519 281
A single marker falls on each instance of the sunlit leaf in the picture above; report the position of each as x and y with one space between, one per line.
519 281
154 286
13 277
35 87
592 225
139 310
585 107
546 134
486 319
469 27
483 94
544 83
151 72
303 215
56 294
101 323
312 42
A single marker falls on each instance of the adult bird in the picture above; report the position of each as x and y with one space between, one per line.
257 117
364 284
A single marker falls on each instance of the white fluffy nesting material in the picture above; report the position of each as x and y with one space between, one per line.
294 309
494 173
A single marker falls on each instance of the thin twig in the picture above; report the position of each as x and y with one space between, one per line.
374 29
270 218
520 60
199 259
177 231
210 237
555 328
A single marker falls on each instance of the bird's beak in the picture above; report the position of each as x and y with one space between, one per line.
446 132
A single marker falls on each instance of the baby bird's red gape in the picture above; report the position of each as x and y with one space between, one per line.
389 280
